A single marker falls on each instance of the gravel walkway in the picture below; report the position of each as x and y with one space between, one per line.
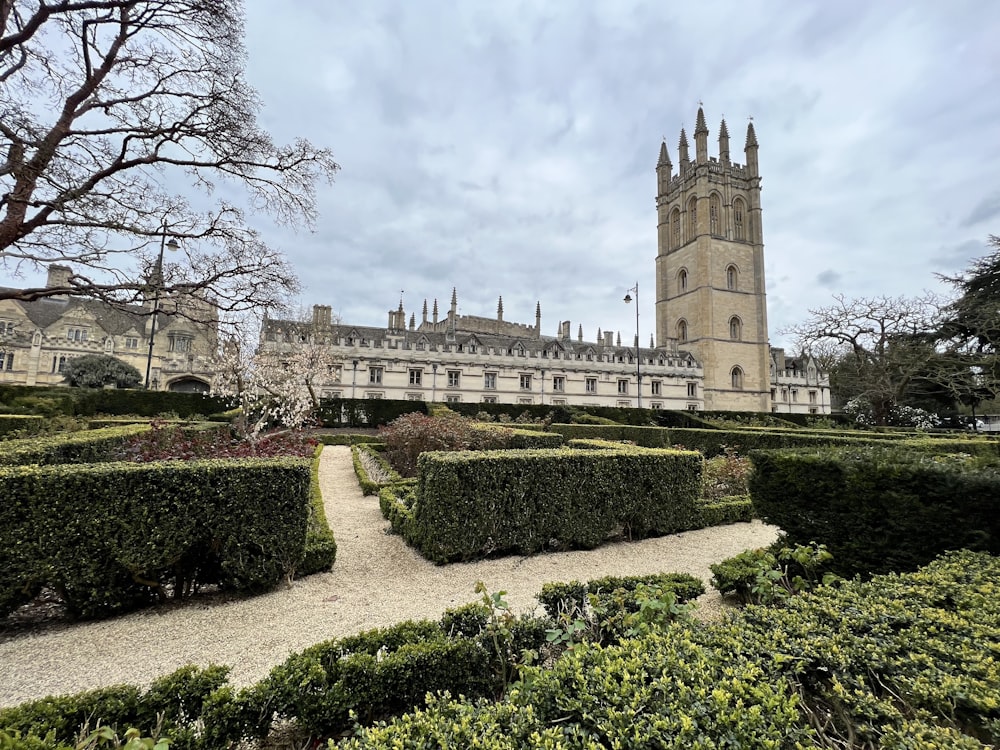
377 581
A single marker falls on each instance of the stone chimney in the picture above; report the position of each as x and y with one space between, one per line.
58 276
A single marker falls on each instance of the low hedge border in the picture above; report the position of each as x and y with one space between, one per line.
346 438
20 422
557 598
734 509
320 549
366 451
521 437
648 437
89 446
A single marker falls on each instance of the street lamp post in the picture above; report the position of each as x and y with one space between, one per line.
158 280
638 359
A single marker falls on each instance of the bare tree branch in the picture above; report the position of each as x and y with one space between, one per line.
102 103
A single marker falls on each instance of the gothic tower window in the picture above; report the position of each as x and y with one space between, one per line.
675 228
682 330
739 213
732 277
682 281
737 378
692 211
735 328
714 209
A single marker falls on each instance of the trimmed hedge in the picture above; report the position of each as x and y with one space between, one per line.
879 509
515 437
913 666
320 549
350 438
364 412
473 504
572 596
735 509
75 447
17 422
366 451
109 537
86 402
648 437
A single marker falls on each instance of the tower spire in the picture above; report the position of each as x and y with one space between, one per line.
664 169
425 310
723 142
435 313
500 308
682 150
701 138
750 149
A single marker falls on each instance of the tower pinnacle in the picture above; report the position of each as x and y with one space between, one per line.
701 138
723 142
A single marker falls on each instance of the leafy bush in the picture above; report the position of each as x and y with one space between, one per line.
725 476
99 370
82 447
410 435
320 549
557 598
879 509
726 510
166 443
772 575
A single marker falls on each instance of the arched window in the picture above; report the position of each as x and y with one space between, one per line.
732 277
714 210
739 214
692 216
682 281
682 330
735 328
675 228
737 377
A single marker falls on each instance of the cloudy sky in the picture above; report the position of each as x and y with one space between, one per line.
508 147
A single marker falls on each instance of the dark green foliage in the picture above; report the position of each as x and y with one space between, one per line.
649 437
66 448
913 666
364 412
111 536
878 509
774 574
472 504
348 438
20 423
714 442
100 370
178 697
320 549
86 402
556 598
736 509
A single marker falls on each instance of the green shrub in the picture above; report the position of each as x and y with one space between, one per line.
737 509
347 438
648 437
473 504
772 575
320 549
78 447
365 412
725 476
557 598
879 509
22 424
108 537
100 370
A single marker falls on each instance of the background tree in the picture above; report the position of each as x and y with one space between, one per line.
105 102
277 384
969 332
99 370
878 346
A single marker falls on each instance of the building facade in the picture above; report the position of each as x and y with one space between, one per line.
39 338
711 348
463 358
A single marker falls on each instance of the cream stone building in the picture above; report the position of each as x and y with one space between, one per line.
38 338
464 358
711 347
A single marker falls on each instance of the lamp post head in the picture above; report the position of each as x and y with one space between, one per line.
628 298
172 244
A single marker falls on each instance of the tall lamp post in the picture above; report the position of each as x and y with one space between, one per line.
158 280
638 372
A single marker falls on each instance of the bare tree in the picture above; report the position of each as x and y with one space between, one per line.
880 345
103 103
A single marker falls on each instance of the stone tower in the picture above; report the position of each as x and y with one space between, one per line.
710 294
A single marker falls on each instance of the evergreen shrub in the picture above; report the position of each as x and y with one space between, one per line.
879 509
557 598
320 549
471 504
726 510
21 423
65 448
648 437
363 454
108 537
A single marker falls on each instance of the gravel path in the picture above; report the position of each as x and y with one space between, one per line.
377 581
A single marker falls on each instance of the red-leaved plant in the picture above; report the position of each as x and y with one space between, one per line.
164 443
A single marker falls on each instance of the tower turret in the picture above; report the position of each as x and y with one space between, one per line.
723 142
579 333
435 311
425 311
664 169
682 152
751 151
701 138
538 319
500 309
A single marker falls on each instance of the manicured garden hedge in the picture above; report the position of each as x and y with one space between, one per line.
571 596
365 412
879 509
17 422
86 402
74 447
473 504
649 437
517 438
366 452
320 550
900 662
108 537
